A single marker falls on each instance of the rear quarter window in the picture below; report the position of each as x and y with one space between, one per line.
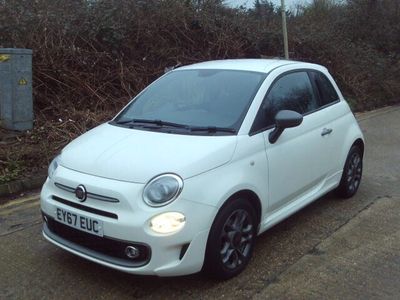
325 88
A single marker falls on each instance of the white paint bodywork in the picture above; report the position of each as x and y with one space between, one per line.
107 151
117 162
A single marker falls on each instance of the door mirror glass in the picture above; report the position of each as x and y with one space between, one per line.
288 118
284 119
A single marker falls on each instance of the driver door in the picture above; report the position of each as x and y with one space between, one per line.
296 160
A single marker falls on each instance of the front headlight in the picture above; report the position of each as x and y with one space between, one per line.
53 166
162 189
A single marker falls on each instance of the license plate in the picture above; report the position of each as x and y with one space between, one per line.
80 222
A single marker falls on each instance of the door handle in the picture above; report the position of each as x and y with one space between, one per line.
326 131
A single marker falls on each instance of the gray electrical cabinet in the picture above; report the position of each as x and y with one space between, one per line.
16 106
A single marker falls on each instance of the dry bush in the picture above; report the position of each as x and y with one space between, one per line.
91 56
357 42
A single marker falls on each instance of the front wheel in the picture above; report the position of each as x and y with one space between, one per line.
231 240
352 173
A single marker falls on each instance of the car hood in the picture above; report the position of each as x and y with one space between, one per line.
137 156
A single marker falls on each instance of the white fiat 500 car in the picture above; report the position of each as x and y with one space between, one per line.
203 160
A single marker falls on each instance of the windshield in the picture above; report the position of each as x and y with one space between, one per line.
213 100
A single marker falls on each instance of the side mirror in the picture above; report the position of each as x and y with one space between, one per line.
284 119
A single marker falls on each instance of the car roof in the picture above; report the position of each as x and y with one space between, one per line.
255 65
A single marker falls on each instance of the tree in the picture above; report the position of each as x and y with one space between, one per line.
263 9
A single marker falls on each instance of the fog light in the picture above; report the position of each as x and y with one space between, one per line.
132 252
45 218
169 222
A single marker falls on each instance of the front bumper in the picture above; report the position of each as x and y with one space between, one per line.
164 255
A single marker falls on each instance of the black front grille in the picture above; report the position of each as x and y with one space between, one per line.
107 246
86 208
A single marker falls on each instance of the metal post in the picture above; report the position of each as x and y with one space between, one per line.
284 29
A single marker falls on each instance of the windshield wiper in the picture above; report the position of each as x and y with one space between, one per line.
160 123
212 129
154 122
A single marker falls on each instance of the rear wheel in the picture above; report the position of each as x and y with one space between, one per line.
352 173
231 240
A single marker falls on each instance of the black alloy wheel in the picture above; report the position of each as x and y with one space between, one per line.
236 237
231 240
352 173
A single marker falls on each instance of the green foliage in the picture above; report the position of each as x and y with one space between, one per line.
11 170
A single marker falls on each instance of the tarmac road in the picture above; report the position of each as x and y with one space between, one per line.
331 249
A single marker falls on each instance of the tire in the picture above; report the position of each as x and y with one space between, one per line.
352 173
231 240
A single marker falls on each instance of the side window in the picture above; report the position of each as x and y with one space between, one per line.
325 88
292 92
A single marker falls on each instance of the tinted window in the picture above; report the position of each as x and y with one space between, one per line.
292 92
197 98
325 88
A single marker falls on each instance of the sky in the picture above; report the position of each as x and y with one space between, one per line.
249 3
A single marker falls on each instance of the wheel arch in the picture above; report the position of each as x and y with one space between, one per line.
359 143
353 136
209 264
250 196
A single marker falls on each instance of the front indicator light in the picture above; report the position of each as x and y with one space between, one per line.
167 223
53 166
